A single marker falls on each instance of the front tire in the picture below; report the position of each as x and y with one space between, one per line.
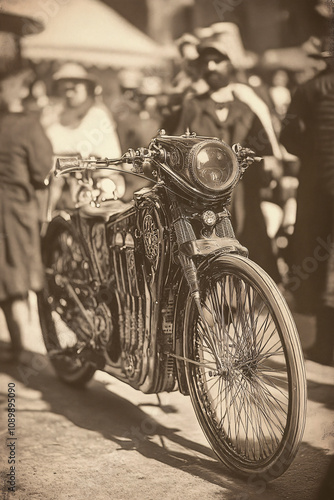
248 387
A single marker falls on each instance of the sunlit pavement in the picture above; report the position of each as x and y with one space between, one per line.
110 441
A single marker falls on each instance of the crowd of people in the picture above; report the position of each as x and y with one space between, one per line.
218 89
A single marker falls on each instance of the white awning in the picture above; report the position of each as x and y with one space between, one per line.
86 31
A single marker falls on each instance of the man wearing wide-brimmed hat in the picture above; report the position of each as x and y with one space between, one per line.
84 126
309 134
25 160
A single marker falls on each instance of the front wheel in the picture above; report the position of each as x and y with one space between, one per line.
247 384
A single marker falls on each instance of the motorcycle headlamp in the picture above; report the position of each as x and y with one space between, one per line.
213 165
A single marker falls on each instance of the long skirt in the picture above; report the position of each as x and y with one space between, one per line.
21 267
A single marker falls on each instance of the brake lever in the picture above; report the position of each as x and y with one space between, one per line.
139 158
245 156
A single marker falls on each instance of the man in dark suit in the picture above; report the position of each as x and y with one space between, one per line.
226 111
310 135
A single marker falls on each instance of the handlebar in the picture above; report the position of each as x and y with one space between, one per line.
139 158
71 164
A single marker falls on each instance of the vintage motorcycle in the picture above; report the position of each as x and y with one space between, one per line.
160 294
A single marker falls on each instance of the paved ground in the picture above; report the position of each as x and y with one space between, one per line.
111 442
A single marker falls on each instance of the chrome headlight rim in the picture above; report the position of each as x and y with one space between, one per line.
226 149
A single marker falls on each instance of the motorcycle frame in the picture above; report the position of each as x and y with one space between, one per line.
164 365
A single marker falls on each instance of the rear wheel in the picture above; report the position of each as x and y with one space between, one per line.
66 321
247 384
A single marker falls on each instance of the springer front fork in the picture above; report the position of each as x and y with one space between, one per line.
217 239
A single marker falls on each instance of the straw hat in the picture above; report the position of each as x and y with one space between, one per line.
12 28
226 39
129 79
73 72
19 25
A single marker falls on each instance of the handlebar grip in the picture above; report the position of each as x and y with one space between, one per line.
66 162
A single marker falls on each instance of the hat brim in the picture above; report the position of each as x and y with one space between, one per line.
75 79
206 47
19 25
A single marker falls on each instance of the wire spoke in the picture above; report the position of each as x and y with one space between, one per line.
246 398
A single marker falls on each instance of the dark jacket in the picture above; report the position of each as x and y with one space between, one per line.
309 134
25 160
243 126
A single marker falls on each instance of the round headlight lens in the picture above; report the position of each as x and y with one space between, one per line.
214 166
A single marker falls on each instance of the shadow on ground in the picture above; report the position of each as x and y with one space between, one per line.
130 428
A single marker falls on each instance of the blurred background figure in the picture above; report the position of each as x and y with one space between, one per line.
138 114
126 108
150 116
188 73
25 161
185 83
309 134
82 126
280 93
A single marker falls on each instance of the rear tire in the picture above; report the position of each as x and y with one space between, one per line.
248 387
60 316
